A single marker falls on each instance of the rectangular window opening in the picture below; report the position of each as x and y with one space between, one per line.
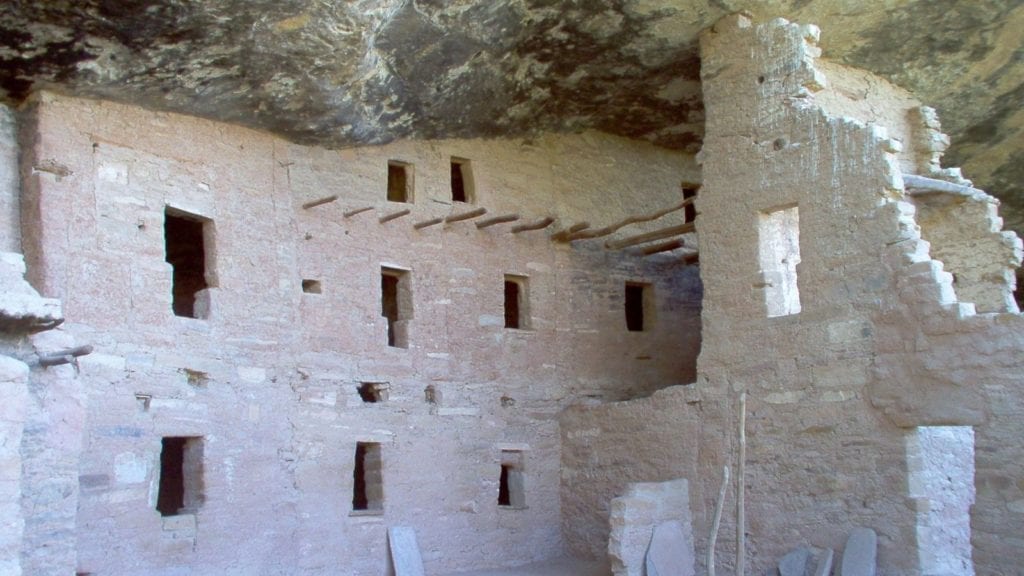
187 243
511 484
779 255
400 181
368 484
462 180
689 211
517 303
181 475
638 306
396 305
311 287
373 392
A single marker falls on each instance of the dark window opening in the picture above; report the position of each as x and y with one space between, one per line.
511 488
462 180
373 392
186 253
689 211
516 303
399 181
180 476
636 296
367 487
311 286
503 497
396 305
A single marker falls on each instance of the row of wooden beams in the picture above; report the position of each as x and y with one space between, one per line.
661 234
613 228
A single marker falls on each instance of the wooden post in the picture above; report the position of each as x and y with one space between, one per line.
741 513
663 247
598 232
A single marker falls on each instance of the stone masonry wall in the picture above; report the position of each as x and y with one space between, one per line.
879 343
268 381
10 233
609 446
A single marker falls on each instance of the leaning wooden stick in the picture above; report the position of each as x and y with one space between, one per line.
319 202
713 537
741 513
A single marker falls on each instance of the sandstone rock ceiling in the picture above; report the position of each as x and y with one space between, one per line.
342 72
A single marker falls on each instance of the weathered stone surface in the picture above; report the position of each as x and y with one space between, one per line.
405 552
860 555
651 529
670 552
797 563
366 72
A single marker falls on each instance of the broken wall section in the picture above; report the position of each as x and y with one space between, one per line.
606 447
820 459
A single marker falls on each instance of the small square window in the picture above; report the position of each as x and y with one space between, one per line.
181 475
311 286
367 476
511 481
400 181
462 180
517 302
638 306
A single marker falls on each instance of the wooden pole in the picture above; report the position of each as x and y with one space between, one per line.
319 202
650 236
741 513
394 215
691 258
713 537
598 232
486 222
538 225
353 212
64 356
427 223
663 247
465 215
561 235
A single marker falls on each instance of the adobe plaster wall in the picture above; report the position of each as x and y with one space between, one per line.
826 448
269 379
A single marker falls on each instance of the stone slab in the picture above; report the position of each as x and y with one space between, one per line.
860 557
823 563
405 552
668 553
796 563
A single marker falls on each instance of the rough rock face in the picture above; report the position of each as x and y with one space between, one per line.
368 71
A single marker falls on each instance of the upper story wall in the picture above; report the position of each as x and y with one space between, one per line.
95 232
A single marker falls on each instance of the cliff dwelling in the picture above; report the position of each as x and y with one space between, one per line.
510 288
